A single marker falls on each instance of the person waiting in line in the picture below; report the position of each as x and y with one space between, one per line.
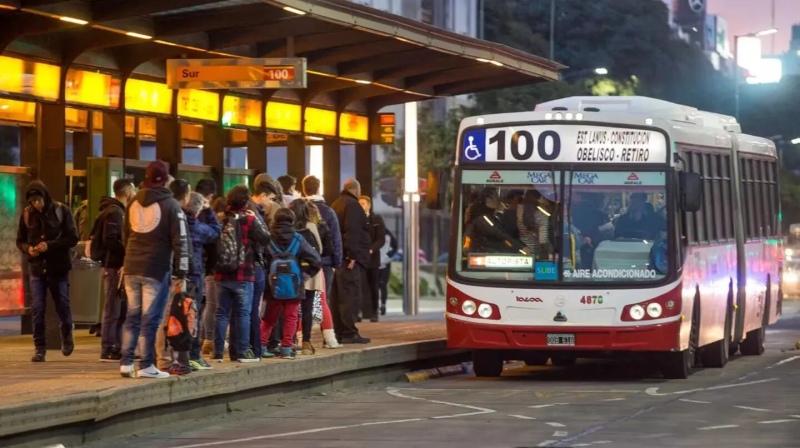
640 221
287 184
311 232
388 250
202 233
328 335
45 235
111 252
287 247
235 285
156 247
209 317
207 187
347 283
330 260
485 233
377 236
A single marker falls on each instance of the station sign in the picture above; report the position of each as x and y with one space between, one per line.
384 129
259 73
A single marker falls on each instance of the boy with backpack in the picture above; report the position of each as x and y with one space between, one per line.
290 262
242 233
106 248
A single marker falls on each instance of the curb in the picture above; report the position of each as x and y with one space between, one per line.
438 372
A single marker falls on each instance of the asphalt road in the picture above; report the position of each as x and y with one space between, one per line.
753 402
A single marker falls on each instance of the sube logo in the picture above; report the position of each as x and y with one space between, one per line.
529 299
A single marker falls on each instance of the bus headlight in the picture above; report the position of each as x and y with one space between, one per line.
485 310
790 277
788 252
468 307
636 312
654 310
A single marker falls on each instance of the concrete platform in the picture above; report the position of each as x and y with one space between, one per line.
81 390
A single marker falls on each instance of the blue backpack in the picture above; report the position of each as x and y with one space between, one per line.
285 277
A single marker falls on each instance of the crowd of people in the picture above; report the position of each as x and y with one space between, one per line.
189 276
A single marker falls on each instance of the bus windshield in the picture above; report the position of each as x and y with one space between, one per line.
609 226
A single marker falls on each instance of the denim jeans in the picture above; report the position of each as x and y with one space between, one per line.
59 290
113 313
237 298
147 301
255 316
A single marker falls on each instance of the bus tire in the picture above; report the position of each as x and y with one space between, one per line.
536 360
753 344
718 353
487 363
679 365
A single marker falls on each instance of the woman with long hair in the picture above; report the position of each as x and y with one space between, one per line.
305 225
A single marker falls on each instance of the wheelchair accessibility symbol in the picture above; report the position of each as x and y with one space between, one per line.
472 151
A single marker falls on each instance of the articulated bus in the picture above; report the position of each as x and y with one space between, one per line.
613 226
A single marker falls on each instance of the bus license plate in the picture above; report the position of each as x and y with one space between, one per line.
560 339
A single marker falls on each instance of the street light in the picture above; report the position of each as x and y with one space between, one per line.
736 63
795 141
601 71
584 72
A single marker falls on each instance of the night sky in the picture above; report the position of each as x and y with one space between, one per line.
747 16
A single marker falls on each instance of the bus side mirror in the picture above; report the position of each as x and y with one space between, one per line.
691 192
436 190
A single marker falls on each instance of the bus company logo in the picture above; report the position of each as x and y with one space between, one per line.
585 178
495 178
529 299
633 179
538 177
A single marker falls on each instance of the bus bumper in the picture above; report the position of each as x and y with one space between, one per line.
469 335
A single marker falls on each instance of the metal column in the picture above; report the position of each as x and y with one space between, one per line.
411 254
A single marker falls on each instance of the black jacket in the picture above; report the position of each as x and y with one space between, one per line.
355 229
307 257
45 226
377 233
112 218
156 236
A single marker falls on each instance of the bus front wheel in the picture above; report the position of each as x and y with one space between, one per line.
487 363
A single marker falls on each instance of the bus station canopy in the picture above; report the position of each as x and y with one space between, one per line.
360 57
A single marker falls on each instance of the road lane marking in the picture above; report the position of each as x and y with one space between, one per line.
545 393
654 390
769 422
555 424
705 428
752 409
547 443
793 358
795 416
599 442
560 434
613 399
524 417
694 401
540 406
478 410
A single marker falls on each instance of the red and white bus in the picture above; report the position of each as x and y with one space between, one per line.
605 226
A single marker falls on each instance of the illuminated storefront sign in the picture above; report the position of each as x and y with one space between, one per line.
320 122
198 104
146 96
91 88
241 112
29 78
17 111
353 127
284 116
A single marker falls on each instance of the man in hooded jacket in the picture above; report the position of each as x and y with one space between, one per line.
46 233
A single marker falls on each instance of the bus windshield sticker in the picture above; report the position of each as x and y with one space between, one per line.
546 270
563 143
613 274
618 178
511 177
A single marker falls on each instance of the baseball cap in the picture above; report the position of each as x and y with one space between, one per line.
155 175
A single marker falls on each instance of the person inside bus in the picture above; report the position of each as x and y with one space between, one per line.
586 215
534 223
509 216
484 230
640 221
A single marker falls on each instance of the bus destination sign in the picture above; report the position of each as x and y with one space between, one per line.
275 73
563 143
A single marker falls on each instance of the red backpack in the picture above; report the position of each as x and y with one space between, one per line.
182 326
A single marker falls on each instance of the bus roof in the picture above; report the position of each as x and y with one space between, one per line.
685 124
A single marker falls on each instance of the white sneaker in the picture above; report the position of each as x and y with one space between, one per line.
329 338
152 372
127 371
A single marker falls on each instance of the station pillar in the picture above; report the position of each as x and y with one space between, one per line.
214 152
168 142
113 134
257 151
51 161
82 149
331 169
296 156
364 167
28 154
131 147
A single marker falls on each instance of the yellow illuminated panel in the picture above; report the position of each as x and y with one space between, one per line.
76 119
92 88
198 104
283 116
241 112
146 96
147 127
354 127
320 122
130 125
17 111
29 78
